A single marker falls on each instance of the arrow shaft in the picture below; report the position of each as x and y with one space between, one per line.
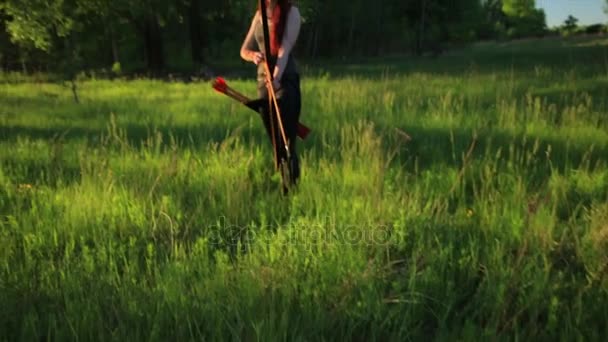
273 96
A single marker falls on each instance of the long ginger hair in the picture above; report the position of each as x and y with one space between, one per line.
278 19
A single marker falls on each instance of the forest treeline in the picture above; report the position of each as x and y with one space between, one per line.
157 35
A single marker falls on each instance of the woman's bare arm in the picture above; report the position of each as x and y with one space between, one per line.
290 36
247 53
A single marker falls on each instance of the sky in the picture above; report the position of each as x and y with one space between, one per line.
586 11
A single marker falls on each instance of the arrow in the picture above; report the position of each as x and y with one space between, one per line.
256 105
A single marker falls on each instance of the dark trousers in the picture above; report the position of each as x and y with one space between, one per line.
290 103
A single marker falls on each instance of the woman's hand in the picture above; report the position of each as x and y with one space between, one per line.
257 57
276 85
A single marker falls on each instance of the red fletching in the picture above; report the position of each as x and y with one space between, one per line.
302 131
220 85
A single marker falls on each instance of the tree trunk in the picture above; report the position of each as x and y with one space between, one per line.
419 47
74 90
311 46
153 43
23 61
315 40
111 35
315 48
379 24
196 34
351 31
115 58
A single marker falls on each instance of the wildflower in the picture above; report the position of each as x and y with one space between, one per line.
25 187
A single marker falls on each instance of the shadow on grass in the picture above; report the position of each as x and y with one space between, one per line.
587 54
434 146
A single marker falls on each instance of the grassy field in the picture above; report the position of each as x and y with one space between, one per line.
463 197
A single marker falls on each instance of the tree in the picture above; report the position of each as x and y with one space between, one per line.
147 18
495 20
46 25
34 23
523 18
8 50
518 8
159 35
570 24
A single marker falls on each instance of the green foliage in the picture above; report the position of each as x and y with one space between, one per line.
570 24
518 8
35 23
116 68
529 25
464 19
523 19
159 35
596 29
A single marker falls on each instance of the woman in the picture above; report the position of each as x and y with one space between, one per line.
284 26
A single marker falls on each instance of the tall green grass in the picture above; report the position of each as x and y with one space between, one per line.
452 202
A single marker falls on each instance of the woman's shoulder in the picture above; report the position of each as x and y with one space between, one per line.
294 12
